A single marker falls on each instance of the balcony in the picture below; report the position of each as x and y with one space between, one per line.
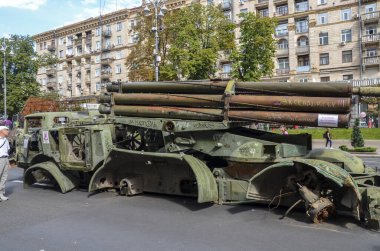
262 3
305 68
50 72
51 84
302 6
69 56
370 61
107 60
225 75
282 51
106 75
107 48
372 38
282 71
78 41
370 17
301 50
51 47
107 33
281 33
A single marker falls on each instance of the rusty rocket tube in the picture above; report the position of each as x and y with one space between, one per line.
278 103
322 89
291 118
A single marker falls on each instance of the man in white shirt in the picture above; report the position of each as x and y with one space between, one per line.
4 161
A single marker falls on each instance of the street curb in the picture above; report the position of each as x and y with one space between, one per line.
367 155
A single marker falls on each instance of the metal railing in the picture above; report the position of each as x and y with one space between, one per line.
371 38
365 82
303 49
282 71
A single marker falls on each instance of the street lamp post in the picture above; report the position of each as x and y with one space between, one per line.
159 9
3 49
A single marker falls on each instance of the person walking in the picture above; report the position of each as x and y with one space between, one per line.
327 135
284 130
4 161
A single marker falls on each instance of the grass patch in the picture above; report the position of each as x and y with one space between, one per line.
366 149
339 133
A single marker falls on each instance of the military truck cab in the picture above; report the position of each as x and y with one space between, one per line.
56 145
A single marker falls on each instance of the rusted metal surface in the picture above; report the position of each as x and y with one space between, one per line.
367 91
331 89
38 104
291 118
284 103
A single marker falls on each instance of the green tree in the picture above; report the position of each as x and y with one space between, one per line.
356 136
140 60
190 41
254 56
21 69
198 34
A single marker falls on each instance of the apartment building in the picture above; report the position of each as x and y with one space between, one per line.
317 40
91 53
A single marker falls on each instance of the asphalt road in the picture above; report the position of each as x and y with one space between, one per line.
40 218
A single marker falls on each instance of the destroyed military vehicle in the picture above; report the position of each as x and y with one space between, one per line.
194 139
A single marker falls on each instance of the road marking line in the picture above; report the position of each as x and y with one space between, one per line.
17 181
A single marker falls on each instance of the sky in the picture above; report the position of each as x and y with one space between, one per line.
30 17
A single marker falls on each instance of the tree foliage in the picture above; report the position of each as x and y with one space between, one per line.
21 69
254 57
190 41
356 136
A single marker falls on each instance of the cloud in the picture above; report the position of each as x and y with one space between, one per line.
92 8
23 4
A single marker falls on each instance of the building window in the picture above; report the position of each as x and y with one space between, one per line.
98 86
325 79
282 29
69 51
303 80
347 56
303 61
97 31
118 68
320 2
346 35
97 72
371 52
61 40
323 38
41 46
324 59
322 18
119 40
348 77
244 10
132 24
302 6
303 41
302 25
283 63
282 10
119 55
264 12
283 44
97 59
45 45
346 14
370 30
61 54
98 45
370 8
119 26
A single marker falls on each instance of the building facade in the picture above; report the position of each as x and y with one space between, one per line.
317 40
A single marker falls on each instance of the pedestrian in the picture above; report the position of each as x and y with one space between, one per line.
284 130
8 123
327 135
4 161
